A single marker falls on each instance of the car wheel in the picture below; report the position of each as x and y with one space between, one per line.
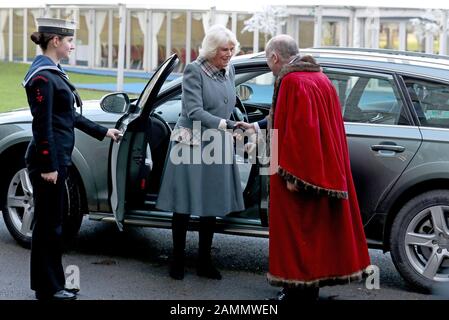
18 209
420 241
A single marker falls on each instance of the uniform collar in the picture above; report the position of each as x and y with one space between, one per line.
42 62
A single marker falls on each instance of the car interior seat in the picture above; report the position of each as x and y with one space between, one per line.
158 140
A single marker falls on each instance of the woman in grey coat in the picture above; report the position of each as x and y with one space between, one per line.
200 175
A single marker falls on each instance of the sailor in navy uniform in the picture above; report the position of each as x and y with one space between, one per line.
51 98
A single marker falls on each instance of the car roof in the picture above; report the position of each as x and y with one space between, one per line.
404 62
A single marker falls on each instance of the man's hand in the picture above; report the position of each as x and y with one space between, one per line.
292 187
114 134
51 177
248 127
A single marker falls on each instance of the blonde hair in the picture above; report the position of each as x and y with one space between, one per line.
216 36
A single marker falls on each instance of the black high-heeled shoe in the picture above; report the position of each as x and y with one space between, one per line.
177 270
208 270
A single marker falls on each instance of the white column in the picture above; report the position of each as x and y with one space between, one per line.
256 41
110 37
350 28
121 46
150 41
92 38
234 23
318 27
128 39
443 34
356 34
76 17
375 33
146 44
157 19
10 38
25 35
188 37
292 27
296 29
366 37
429 42
403 35
168 35
343 37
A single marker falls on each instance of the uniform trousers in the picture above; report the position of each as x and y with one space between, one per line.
47 274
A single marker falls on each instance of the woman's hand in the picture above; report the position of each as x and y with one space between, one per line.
51 177
114 134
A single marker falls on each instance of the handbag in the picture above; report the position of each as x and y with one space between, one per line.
186 136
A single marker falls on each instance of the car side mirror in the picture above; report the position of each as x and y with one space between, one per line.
117 102
244 92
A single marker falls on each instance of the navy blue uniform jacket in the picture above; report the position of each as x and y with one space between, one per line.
51 99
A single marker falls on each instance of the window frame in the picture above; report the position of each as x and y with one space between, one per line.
403 78
371 72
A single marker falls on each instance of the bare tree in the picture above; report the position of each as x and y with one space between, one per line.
269 21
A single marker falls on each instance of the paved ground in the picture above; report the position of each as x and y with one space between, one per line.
133 265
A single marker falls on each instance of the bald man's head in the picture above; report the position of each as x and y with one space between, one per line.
279 51
284 45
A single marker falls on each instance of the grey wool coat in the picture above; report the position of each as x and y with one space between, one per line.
196 185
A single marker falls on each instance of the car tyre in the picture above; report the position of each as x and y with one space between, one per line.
419 241
18 204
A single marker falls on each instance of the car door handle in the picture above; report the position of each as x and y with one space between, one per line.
387 147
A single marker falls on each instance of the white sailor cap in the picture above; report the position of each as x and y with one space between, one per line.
57 26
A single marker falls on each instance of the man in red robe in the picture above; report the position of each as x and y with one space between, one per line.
316 233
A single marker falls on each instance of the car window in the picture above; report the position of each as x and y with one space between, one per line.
431 101
261 84
170 110
368 97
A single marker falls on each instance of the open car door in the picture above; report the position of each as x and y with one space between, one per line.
130 159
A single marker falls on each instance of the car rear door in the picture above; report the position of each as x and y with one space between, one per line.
131 155
381 136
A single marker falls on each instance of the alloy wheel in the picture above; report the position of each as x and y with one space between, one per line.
20 203
427 243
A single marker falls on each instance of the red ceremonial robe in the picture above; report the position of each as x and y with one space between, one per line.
316 234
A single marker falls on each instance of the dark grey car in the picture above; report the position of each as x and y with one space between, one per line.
396 111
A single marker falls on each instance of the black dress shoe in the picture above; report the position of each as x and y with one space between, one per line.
64 295
72 290
59 295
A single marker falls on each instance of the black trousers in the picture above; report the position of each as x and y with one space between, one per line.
47 273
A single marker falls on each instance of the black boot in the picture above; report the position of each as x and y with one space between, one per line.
179 231
205 266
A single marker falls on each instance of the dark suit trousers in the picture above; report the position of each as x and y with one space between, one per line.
47 274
